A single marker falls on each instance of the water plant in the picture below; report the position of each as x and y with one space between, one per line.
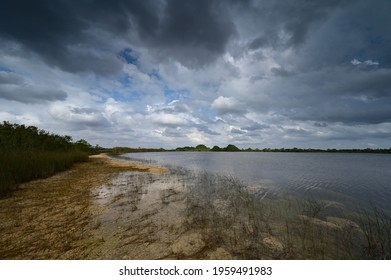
242 221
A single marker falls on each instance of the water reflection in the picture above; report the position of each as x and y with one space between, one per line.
364 179
201 215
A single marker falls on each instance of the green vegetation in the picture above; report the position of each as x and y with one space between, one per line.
124 150
250 223
203 148
28 153
233 148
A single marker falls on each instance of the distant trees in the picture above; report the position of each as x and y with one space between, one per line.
203 148
124 150
233 148
216 149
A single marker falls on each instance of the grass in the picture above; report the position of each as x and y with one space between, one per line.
251 226
18 166
376 227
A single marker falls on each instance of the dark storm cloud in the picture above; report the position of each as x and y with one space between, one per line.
14 87
281 72
355 97
76 35
320 124
373 84
195 32
255 126
287 23
10 78
293 67
358 32
350 112
55 31
29 94
205 129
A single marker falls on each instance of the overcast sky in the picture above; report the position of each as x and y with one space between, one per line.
169 73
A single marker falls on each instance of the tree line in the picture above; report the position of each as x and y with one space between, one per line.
233 148
27 153
19 136
203 148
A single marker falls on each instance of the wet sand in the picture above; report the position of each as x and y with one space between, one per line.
101 209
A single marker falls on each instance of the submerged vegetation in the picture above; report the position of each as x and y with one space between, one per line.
249 224
27 153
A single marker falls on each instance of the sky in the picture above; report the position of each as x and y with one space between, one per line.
170 73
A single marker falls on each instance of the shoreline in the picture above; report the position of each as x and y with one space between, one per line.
138 166
56 217
99 210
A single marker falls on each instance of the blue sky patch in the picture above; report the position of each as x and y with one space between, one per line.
171 95
129 56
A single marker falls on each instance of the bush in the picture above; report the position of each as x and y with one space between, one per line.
28 153
19 166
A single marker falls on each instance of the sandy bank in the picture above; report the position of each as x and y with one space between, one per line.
56 218
102 209
128 164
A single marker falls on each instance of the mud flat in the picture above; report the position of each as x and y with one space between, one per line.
102 209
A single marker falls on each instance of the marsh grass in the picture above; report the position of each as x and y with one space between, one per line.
21 165
376 227
252 226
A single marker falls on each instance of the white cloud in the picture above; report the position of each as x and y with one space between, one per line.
228 105
369 62
355 62
80 117
198 138
168 119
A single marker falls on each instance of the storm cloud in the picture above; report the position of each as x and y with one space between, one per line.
173 73
13 87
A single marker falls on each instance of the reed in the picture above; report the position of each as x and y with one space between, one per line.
249 226
21 165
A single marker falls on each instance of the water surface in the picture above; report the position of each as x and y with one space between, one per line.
358 179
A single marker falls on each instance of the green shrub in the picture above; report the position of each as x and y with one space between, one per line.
19 166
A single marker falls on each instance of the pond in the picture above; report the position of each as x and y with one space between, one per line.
359 180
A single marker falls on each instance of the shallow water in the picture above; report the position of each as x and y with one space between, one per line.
358 180
145 216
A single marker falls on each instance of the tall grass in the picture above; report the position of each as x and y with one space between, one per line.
376 227
251 226
21 165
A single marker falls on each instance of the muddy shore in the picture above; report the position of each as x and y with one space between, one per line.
102 209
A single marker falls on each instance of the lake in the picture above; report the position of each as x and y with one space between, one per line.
358 180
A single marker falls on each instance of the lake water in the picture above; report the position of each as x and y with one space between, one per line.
359 180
